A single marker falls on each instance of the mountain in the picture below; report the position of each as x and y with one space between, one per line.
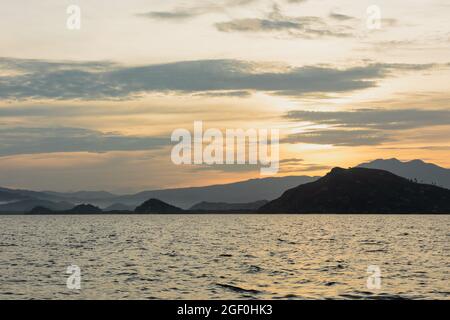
361 190
27 205
157 206
119 207
82 195
233 193
415 170
84 209
227 207
238 192
11 195
8 196
41 210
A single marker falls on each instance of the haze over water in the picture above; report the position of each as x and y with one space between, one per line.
224 256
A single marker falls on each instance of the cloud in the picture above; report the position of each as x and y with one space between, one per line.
341 17
363 126
218 94
291 161
309 27
226 168
35 65
308 168
190 12
288 165
299 165
399 119
179 14
35 79
339 137
20 140
46 111
390 22
433 148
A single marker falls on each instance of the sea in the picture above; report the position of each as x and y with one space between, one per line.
229 256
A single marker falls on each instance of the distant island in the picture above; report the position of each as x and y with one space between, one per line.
342 191
239 193
242 196
157 206
409 181
227 207
361 190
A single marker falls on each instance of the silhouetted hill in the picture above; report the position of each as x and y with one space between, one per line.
118 207
81 195
84 209
22 201
416 170
157 206
7 195
41 210
238 192
361 190
27 205
18 193
223 206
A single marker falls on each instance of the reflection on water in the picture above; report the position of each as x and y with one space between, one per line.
224 256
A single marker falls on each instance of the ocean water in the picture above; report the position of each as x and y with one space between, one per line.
225 256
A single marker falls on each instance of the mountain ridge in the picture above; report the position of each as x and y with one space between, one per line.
414 169
247 191
227 207
156 206
361 190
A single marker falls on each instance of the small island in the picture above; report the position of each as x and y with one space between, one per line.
341 191
361 190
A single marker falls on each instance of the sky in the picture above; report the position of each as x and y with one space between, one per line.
94 108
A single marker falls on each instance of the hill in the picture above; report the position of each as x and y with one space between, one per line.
84 209
238 192
27 205
416 170
227 207
156 206
361 190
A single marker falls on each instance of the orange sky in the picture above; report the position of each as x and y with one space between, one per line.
94 108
